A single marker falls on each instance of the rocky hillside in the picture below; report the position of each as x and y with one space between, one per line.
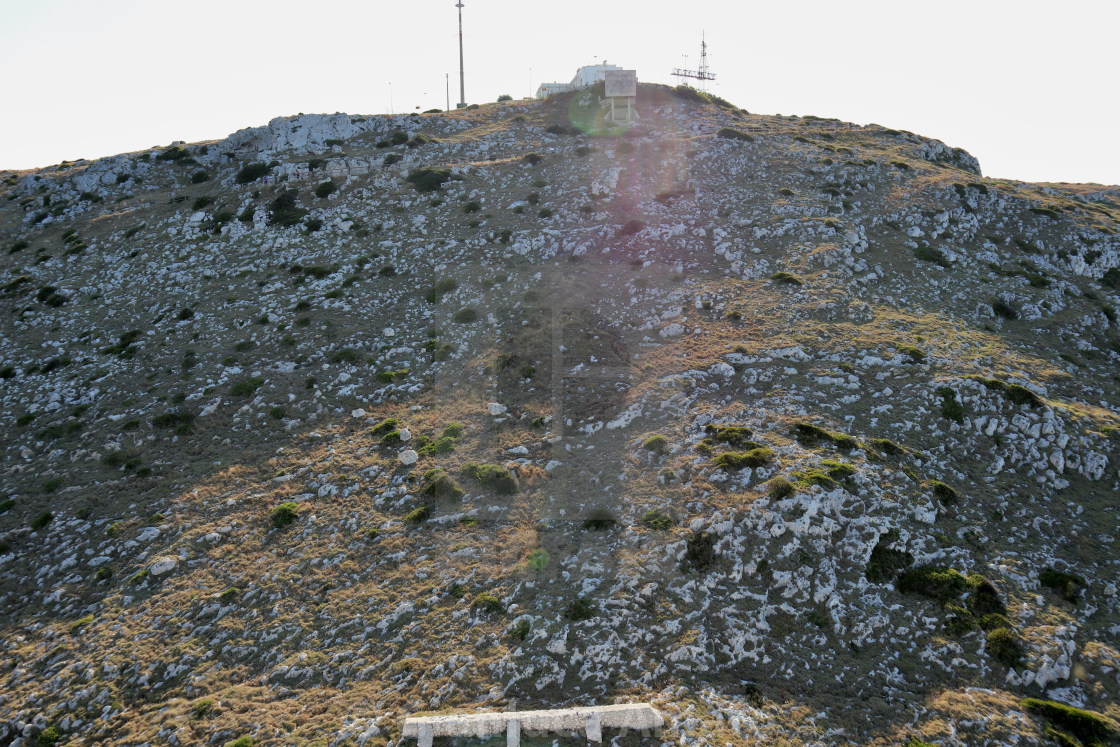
801 430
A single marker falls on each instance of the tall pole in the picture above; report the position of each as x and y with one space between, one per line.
462 86
447 88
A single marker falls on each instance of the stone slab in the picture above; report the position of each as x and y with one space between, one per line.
590 720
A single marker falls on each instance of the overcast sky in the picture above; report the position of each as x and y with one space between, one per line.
1029 88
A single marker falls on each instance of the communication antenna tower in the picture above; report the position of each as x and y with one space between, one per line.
462 86
703 74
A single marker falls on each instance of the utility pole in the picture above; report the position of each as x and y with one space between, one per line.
462 86
447 86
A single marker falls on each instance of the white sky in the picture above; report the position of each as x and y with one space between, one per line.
1028 87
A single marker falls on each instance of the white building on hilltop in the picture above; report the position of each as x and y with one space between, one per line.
588 75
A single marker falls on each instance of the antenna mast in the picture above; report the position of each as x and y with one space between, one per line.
462 87
703 74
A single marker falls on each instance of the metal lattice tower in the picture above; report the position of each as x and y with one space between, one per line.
703 74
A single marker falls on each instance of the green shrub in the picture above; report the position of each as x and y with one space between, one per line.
492 476
700 551
1020 395
885 562
808 434
931 254
1004 646
453 430
935 582
50 736
521 630
656 443
505 97
199 177
951 407
387 377
80 623
139 576
418 515
780 488
960 621
732 435
993 621
428 179
738 460
441 288
201 708
537 560
1066 585
175 153
251 172
201 202
532 159
488 603
1089 727
786 278
600 519
1016 393
916 354
385 426
120 458
984 599
325 189
657 520
285 210
1004 309
240 742
173 420
391 159
6 506
887 446
838 470
732 134
277 413
945 493
472 207
438 484
245 387
465 316
579 610
41 521
284 514
441 445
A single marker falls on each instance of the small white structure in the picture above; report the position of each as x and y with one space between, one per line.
620 89
591 721
586 76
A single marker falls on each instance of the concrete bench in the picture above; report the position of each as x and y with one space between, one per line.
590 720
